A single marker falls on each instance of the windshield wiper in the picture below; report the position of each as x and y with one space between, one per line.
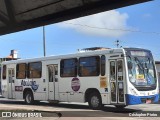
139 63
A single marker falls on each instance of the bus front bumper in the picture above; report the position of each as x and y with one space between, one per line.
133 100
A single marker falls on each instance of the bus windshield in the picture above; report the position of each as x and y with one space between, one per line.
141 70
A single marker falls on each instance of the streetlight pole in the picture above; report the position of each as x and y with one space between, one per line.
44 42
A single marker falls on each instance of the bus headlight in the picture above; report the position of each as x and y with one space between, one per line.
133 92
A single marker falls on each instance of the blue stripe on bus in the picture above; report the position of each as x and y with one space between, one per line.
133 100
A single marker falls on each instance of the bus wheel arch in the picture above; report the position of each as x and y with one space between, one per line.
28 96
93 97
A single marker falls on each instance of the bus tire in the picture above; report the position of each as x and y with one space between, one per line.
95 101
29 97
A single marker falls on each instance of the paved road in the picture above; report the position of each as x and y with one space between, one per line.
79 111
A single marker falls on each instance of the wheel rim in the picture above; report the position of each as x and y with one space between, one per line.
94 101
28 98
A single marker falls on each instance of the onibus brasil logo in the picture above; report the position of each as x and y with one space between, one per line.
33 84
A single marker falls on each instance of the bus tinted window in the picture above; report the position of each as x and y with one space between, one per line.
4 72
89 66
112 70
103 64
21 71
120 70
35 70
68 68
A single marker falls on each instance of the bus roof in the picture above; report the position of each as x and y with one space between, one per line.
78 54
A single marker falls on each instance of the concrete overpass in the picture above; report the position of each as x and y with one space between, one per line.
17 15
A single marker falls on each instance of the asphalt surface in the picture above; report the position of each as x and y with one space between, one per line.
20 110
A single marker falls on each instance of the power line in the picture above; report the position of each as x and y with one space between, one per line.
118 29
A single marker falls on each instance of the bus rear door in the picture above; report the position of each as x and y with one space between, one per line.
117 81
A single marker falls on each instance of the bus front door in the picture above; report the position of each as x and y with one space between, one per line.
53 82
117 81
11 87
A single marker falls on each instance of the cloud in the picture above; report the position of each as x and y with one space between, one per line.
111 24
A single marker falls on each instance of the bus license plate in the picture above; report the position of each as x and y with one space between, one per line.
148 101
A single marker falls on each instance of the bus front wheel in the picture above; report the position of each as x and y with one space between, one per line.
29 97
95 101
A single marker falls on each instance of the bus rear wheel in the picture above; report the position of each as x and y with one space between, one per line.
95 101
29 98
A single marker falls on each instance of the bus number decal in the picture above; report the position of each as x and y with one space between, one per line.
33 84
75 84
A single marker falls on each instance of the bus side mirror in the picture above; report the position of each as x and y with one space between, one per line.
129 65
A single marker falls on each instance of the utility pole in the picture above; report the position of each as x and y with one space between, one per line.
44 42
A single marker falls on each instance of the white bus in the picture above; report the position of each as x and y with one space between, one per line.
120 77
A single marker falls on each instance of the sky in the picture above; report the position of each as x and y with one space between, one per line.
134 26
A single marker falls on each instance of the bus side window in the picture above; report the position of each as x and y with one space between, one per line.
68 67
103 65
89 66
21 71
35 70
4 72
